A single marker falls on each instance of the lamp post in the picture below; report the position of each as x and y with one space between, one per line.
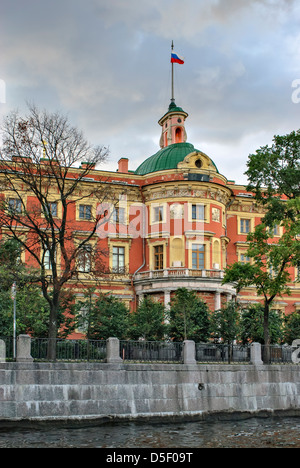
13 296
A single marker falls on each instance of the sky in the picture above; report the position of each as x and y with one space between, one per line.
106 65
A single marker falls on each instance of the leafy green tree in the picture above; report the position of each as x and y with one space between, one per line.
269 270
252 325
274 178
103 318
292 327
274 175
32 310
189 317
148 321
30 306
225 322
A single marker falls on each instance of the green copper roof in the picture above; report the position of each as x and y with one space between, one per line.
165 159
173 109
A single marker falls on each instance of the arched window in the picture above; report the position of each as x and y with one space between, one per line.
178 135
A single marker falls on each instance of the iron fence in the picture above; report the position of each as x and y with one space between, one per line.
69 350
9 347
211 352
278 354
148 351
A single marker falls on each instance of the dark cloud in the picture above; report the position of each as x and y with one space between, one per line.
106 64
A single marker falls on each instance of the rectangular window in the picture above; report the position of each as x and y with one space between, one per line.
298 272
244 259
84 259
198 212
52 209
47 261
245 226
273 271
15 205
158 213
85 212
198 257
118 215
275 230
159 257
118 262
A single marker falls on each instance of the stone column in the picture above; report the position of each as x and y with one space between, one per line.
255 354
24 349
113 350
167 299
189 352
140 298
217 300
2 351
228 297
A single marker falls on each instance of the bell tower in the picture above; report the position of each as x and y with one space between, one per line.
172 123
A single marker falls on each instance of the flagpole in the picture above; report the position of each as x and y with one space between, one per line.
172 98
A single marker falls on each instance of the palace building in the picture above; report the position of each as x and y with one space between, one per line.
194 223
178 222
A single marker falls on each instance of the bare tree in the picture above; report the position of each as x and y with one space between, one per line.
39 177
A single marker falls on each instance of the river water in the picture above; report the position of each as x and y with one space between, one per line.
250 433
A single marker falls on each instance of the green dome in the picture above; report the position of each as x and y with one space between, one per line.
165 159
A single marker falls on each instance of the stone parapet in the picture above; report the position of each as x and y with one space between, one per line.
82 391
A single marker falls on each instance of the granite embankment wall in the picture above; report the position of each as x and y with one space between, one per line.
41 391
97 391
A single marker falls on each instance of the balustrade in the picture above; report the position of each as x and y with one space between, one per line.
179 272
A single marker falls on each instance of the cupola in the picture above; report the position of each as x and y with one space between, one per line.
172 123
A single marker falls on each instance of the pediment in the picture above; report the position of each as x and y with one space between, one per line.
197 161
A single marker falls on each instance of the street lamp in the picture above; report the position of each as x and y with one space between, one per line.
13 297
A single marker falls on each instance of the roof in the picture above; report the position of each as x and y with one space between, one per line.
173 109
165 159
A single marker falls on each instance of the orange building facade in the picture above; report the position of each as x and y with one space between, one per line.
178 222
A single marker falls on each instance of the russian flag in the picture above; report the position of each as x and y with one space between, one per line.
175 58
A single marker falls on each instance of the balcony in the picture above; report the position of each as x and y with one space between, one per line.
179 273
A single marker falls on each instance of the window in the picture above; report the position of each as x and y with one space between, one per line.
85 212
244 259
198 256
178 135
158 257
197 212
15 205
158 213
297 276
84 259
47 261
118 263
118 215
245 226
52 209
275 231
273 271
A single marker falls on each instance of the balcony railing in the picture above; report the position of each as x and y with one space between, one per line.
179 273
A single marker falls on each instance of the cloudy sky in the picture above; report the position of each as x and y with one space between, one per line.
106 64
